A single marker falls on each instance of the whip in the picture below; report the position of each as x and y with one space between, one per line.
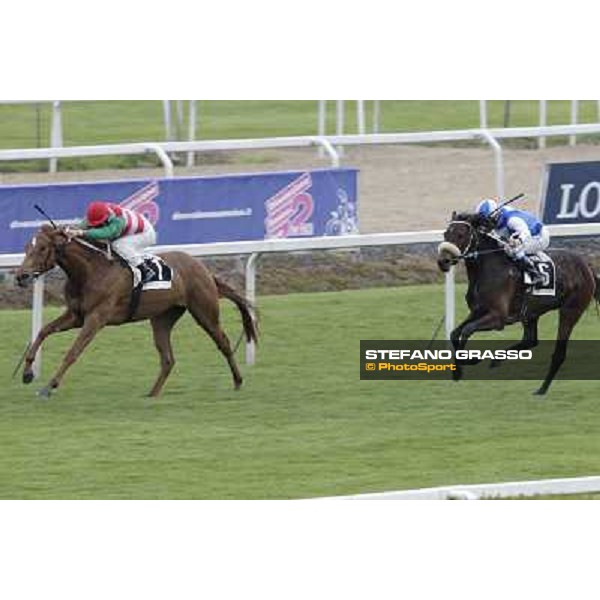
518 197
45 214
22 359
436 331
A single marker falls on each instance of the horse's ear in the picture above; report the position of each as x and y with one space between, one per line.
454 215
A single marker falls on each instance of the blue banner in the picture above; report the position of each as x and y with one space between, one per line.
197 209
572 193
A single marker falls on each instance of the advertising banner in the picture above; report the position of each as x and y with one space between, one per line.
571 193
196 210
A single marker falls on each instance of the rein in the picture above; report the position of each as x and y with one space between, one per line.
106 253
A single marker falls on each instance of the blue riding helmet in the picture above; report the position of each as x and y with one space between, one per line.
486 207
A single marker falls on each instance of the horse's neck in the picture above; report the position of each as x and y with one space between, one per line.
78 263
488 267
487 243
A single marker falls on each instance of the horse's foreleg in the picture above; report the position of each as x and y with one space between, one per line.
91 326
487 322
455 338
456 333
66 321
529 339
465 330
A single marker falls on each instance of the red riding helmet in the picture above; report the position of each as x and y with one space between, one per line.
97 213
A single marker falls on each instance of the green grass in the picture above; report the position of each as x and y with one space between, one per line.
103 122
303 424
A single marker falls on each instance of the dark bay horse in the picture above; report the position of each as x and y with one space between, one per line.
98 293
497 296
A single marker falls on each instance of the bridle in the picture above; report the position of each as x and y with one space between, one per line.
467 252
59 248
471 254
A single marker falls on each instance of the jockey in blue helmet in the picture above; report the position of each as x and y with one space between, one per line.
523 231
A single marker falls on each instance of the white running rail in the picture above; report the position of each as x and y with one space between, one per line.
329 144
513 489
253 249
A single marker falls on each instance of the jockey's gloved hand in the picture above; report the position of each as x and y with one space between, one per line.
74 232
515 240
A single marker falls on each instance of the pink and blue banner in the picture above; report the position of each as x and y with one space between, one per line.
196 210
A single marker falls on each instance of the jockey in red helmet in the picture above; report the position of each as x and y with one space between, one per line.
128 232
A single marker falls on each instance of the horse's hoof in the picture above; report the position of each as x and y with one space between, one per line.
45 392
540 392
27 376
456 376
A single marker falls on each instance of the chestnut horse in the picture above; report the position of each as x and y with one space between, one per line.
98 293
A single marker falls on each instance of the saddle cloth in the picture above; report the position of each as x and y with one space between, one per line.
162 274
545 265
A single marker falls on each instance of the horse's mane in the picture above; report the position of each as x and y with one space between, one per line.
474 219
62 230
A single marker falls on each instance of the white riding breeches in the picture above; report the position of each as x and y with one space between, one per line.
533 244
132 247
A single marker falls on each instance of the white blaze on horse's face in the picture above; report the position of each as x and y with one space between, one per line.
33 241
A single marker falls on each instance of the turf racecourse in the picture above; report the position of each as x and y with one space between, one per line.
303 425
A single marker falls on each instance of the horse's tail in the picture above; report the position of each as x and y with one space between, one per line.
245 307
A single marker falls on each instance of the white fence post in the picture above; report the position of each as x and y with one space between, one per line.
497 148
574 118
339 123
168 120
326 147
179 121
251 297
450 299
543 120
37 319
56 136
483 116
191 133
376 116
322 123
163 156
360 117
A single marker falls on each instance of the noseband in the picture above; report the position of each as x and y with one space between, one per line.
466 252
